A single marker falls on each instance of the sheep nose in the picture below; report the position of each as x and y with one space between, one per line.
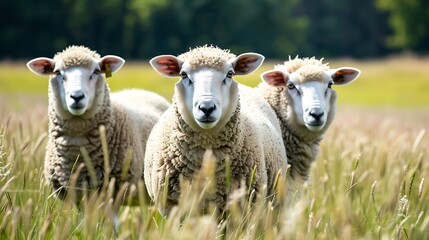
316 114
77 96
206 108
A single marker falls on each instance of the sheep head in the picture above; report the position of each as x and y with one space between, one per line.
207 93
308 90
76 79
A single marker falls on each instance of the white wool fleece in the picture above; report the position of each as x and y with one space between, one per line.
213 113
79 103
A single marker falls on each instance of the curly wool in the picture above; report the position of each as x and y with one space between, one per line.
189 148
302 145
293 65
175 149
63 152
206 56
76 56
126 133
128 117
183 154
247 136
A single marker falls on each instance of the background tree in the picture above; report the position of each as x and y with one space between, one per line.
269 27
141 29
410 22
344 28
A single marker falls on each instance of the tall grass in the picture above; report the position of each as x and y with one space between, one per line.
370 181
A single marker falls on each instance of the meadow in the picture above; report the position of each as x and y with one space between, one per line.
370 180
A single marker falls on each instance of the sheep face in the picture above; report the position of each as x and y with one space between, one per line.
77 88
312 100
208 95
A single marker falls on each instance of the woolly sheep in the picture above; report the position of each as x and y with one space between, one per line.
212 112
300 93
79 103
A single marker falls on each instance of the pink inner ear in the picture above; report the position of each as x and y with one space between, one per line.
167 66
343 76
43 66
346 72
274 79
107 61
243 64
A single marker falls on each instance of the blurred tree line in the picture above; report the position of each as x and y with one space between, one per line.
141 29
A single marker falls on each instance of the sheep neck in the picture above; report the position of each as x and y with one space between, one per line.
70 135
194 143
302 146
189 148
209 139
77 129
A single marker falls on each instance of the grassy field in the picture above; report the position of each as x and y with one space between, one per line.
397 82
370 180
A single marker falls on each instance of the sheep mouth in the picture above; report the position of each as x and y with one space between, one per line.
207 122
315 126
77 106
206 119
315 123
77 109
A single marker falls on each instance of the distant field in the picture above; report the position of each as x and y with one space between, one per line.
395 82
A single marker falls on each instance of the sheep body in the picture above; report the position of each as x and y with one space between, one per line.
127 125
302 146
128 117
299 91
248 137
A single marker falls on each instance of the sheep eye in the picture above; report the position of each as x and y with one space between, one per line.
290 86
96 72
230 74
58 74
183 75
187 81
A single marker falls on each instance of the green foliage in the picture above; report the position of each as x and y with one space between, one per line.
145 8
141 29
262 26
343 28
410 22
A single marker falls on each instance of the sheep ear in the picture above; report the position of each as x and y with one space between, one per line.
41 66
344 75
246 63
167 65
275 78
114 63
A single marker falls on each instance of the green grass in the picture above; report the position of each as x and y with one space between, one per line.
370 180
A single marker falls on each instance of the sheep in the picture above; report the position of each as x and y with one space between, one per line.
211 112
79 102
300 93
